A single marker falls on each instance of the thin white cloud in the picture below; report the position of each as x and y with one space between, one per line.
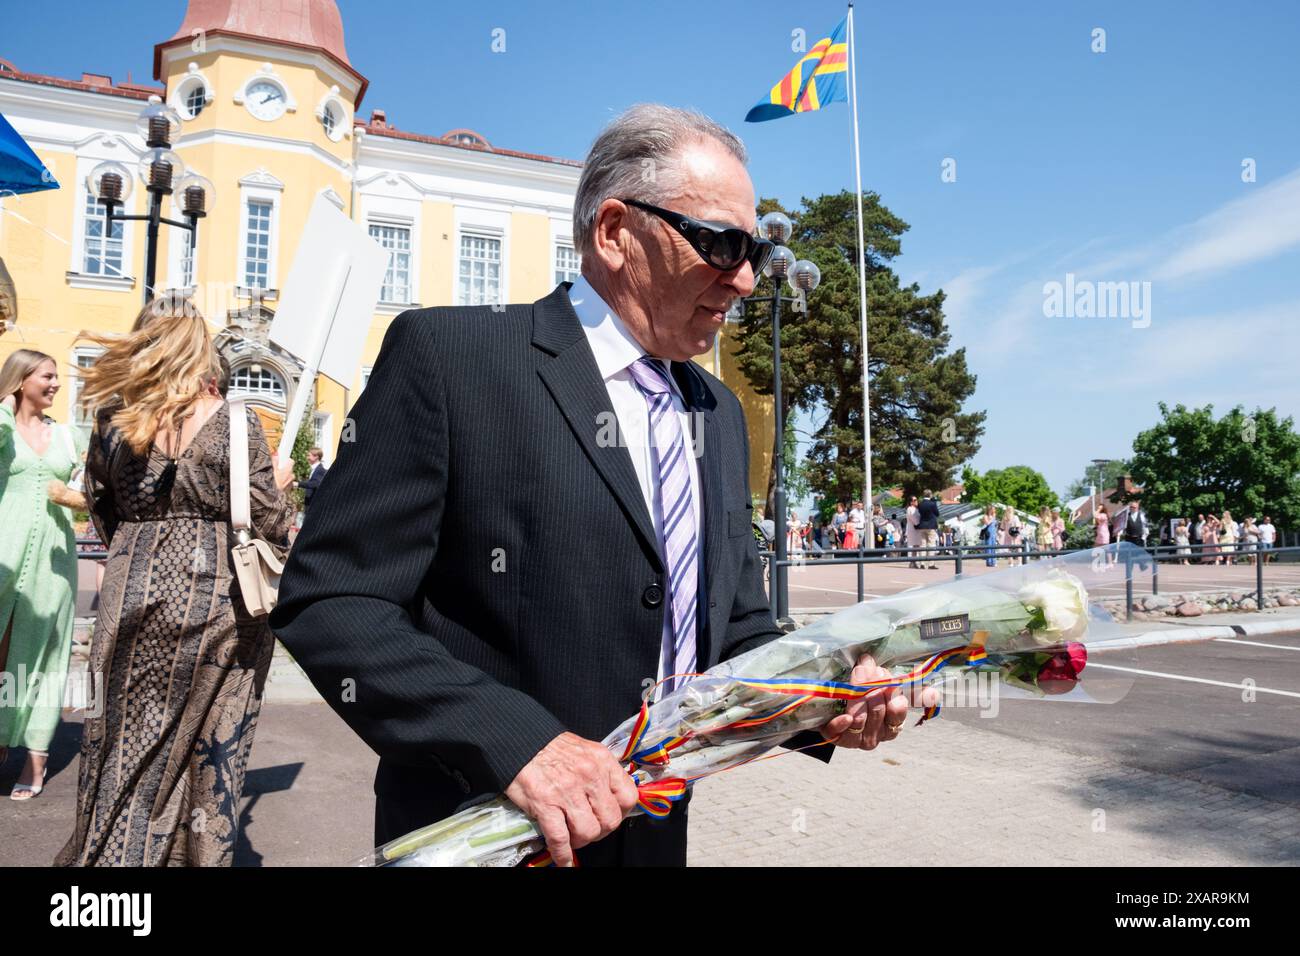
1256 227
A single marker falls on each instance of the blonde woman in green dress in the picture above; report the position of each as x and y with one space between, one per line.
38 563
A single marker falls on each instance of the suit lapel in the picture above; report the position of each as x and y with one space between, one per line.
574 381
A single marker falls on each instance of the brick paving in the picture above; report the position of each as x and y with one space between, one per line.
947 794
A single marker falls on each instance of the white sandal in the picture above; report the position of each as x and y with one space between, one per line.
30 791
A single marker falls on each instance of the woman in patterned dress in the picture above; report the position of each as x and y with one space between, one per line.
182 663
38 564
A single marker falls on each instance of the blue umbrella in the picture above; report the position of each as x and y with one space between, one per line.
21 170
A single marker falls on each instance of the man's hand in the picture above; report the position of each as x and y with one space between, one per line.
576 792
877 717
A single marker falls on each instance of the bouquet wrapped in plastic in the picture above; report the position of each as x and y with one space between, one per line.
1028 627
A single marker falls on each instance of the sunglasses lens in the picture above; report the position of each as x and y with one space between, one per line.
760 255
729 249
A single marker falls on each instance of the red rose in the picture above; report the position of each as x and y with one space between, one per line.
1061 672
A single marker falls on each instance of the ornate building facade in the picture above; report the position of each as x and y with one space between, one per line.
271 110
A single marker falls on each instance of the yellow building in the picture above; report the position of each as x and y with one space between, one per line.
270 108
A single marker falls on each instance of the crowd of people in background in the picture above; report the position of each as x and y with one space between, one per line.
914 531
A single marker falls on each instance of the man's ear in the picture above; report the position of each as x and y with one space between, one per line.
610 235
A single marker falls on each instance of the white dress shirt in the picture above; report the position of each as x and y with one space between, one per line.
615 349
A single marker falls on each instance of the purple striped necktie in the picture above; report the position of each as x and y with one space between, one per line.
677 535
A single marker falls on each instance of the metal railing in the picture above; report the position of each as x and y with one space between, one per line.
957 554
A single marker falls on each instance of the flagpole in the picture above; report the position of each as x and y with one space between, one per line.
862 267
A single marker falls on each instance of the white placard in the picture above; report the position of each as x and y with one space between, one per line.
333 250
327 303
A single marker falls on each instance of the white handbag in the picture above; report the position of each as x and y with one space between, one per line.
257 565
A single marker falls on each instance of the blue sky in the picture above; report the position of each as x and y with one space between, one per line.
1116 166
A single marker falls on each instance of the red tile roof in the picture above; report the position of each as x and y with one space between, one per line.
139 91
135 91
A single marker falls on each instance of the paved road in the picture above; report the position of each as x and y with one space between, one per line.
1178 772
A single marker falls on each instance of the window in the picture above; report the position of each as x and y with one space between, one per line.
256 380
321 435
187 258
196 99
365 377
257 244
480 270
328 120
100 256
83 358
566 264
397 280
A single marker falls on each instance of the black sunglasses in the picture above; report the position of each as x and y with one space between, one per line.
721 246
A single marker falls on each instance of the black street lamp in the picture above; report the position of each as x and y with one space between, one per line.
163 172
803 277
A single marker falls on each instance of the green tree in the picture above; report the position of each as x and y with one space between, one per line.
919 431
1019 486
1248 464
303 442
1110 473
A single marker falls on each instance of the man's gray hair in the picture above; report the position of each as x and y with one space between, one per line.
633 158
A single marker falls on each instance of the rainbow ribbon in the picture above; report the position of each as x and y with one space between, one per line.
660 753
656 797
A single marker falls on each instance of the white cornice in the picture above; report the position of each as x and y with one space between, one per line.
81 280
467 199
52 102
329 193
277 143
264 50
109 141
379 150
261 177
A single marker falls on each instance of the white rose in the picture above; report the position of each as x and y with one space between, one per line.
1064 602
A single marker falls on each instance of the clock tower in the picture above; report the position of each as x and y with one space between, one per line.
267 98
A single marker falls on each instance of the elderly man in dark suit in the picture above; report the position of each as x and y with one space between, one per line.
1131 525
477 662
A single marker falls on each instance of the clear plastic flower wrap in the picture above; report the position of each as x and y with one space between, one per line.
1027 627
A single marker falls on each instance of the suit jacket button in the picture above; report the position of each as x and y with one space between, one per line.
652 596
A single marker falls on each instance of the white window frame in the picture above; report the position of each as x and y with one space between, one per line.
176 250
486 224
78 353
323 436
104 239
258 193
343 127
563 242
364 378
263 394
181 93
398 222
76 277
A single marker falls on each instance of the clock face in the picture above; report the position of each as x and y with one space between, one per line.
265 100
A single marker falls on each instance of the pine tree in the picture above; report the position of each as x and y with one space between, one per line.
919 432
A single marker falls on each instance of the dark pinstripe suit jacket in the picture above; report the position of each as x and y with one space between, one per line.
479 566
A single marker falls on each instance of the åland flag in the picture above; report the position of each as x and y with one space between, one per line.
816 79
